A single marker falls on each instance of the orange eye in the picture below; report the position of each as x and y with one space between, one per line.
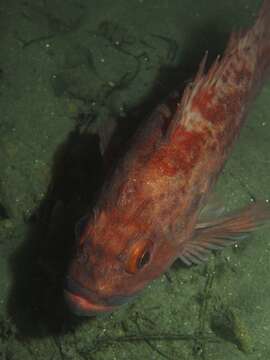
140 256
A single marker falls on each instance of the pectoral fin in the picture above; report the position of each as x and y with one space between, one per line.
224 231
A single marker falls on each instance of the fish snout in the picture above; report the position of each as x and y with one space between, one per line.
85 302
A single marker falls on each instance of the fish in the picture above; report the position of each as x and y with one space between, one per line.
157 205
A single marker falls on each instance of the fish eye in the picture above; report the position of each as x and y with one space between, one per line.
140 256
143 260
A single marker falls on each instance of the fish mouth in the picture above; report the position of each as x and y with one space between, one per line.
84 302
84 307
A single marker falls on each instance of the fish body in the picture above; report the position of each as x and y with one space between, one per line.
150 212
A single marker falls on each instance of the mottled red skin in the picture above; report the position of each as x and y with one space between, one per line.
158 189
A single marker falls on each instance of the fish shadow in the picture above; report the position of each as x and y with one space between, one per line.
36 302
39 266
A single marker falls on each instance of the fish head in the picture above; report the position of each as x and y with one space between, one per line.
115 260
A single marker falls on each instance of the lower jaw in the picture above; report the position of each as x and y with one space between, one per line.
84 307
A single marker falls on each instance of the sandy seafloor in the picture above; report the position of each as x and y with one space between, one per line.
69 70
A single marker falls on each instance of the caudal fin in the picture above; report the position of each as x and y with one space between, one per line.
224 231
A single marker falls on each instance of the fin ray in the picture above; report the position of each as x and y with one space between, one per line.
224 231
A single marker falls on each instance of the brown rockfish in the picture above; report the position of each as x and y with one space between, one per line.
153 209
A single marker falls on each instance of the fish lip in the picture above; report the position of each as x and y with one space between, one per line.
73 287
84 307
83 301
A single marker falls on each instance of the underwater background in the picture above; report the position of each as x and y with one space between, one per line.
70 72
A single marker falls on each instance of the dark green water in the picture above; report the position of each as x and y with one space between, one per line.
70 70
